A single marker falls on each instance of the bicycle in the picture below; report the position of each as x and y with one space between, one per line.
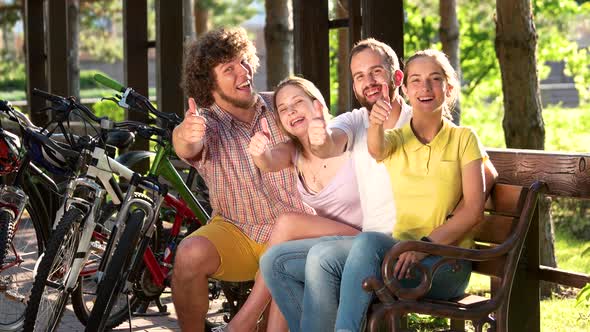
70 246
137 264
27 207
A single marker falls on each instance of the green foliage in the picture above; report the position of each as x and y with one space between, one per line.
100 28
12 73
572 216
481 80
334 45
230 12
109 109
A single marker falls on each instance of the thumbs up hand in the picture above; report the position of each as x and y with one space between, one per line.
382 108
317 130
260 141
192 128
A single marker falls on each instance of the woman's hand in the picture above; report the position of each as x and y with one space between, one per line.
260 141
405 261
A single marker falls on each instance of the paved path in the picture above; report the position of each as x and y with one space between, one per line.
153 323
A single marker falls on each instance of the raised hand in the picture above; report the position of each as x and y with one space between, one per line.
260 141
317 131
382 108
192 128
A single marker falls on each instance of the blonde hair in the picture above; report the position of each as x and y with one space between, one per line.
310 90
449 72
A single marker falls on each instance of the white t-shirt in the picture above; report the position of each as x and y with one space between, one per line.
373 180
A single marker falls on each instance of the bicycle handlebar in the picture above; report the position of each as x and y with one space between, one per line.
108 82
131 99
66 104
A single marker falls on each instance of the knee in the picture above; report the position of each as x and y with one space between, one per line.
369 242
268 261
283 227
319 258
195 256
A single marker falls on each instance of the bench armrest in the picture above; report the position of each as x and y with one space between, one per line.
450 254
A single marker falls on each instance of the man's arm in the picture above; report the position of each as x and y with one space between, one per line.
188 136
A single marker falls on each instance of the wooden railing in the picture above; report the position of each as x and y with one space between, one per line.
566 175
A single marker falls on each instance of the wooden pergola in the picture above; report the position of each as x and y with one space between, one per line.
47 69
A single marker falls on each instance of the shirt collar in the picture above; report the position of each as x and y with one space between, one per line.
440 140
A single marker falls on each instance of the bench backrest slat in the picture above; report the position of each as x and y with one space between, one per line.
503 208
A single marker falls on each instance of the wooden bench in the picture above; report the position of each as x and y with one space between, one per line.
499 242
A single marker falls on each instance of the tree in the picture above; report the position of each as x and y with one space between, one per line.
278 36
516 49
449 37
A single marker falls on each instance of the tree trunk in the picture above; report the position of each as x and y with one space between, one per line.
188 20
449 37
201 17
343 70
73 58
278 37
516 45
516 42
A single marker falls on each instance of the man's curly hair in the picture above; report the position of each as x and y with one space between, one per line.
213 48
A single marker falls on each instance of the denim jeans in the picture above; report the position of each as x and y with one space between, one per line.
303 277
364 259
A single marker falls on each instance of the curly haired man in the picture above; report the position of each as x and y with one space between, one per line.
224 113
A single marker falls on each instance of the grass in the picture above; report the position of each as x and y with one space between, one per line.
559 313
566 129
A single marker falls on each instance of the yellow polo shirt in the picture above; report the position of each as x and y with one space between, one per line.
426 178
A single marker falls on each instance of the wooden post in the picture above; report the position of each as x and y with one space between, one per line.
524 304
169 53
57 46
384 21
354 35
135 46
310 39
36 58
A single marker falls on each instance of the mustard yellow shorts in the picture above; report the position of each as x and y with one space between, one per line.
238 253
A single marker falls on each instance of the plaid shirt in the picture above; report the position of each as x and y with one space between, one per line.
238 191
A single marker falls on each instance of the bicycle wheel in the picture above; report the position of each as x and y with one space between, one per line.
117 271
16 270
84 294
49 295
6 227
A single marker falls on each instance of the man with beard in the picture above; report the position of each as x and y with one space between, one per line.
304 276
224 113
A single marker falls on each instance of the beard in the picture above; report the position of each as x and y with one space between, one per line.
239 103
360 97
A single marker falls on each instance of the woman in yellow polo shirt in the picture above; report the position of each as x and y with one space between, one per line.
433 164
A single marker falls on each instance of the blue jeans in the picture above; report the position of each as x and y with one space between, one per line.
364 259
303 277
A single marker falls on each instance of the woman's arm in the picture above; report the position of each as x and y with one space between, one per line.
276 158
467 214
295 226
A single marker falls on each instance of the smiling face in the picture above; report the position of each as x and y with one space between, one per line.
369 71
295 109
426 85
234 85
